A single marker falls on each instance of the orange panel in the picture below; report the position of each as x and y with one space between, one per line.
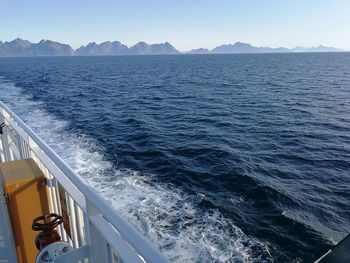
25 187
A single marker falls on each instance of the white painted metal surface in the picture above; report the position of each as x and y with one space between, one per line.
53 251
7 248
99 233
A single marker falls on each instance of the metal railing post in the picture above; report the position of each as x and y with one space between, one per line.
98 246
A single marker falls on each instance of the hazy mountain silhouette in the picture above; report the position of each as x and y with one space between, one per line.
117 48
199 51
240 47
105 48
51 48
320 48
20 48
143 48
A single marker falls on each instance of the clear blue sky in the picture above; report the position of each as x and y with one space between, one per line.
186 24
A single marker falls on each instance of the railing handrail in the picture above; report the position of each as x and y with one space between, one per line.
126 230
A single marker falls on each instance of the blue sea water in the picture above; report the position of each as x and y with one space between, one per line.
215 158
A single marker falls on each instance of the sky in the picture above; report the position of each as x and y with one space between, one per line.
186 24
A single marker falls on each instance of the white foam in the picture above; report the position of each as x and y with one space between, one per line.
169 217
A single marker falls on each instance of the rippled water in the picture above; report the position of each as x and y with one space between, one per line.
215 158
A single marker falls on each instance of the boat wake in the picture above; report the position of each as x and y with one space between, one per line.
172 219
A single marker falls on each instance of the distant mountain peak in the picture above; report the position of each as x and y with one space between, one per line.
19 41
242 44
319 48
199 51
142 48
238 47
103 49
141 43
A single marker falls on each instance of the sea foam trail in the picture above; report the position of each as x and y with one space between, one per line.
169 217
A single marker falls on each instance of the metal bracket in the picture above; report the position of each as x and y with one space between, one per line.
7 199
2 126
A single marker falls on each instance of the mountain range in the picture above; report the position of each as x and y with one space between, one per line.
24 48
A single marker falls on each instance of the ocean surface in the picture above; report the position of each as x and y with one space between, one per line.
214 158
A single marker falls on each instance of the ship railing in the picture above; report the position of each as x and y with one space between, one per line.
98 232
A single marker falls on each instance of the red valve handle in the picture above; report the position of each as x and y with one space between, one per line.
50 222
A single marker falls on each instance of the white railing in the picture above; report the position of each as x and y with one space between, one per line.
99 233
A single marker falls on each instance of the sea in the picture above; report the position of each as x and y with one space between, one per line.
214 158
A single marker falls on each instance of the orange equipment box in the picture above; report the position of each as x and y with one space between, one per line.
26 193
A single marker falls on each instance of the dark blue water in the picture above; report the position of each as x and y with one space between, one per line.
215 158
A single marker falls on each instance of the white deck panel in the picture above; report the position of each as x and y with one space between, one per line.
7 249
